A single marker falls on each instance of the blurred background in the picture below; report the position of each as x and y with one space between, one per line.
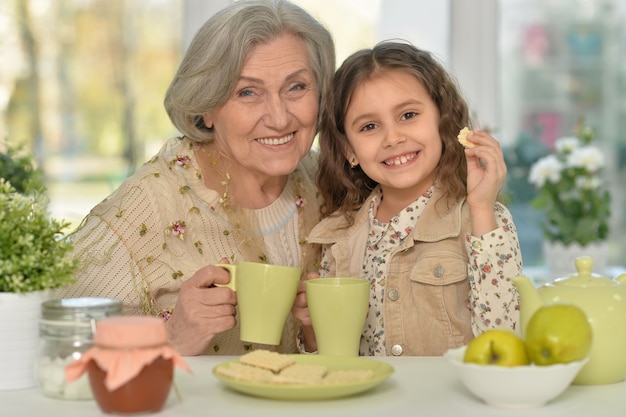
82 82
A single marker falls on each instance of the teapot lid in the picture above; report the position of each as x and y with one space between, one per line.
584 277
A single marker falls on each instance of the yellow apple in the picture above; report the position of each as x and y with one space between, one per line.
497 347
558 333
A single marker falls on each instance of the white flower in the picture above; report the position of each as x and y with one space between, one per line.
587 183
545 169
571 191
588 157
566 144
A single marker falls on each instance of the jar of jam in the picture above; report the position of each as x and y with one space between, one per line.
130 366
66 330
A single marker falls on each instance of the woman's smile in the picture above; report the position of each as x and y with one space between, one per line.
276 141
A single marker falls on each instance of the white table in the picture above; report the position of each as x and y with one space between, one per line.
420 386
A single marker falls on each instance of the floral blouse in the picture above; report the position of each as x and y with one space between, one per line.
163 224
383 238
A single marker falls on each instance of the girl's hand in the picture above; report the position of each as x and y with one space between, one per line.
300 311
486 173
300 308
202 311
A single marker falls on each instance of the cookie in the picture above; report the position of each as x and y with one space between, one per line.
462 137
301 374
277 368
265 359
244 372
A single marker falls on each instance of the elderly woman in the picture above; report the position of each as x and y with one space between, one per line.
237 185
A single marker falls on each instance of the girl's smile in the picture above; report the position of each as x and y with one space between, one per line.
401 160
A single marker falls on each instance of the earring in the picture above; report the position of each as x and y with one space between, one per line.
353 163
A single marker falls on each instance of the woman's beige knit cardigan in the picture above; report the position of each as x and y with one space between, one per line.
162 225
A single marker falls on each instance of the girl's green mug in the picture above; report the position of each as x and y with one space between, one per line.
338 308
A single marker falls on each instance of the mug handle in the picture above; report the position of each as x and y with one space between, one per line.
232 284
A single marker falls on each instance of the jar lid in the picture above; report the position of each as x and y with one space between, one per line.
80 309
130 332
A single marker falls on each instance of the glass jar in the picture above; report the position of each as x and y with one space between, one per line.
66 331
143 383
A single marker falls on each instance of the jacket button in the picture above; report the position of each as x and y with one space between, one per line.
396 350
438 271
393 295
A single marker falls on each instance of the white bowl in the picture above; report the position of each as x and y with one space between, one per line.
528 386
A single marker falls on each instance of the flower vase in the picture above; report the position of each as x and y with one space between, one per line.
560 259
19 333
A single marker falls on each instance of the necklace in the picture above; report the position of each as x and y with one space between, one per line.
242 224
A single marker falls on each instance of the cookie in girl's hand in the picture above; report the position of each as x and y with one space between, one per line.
463 138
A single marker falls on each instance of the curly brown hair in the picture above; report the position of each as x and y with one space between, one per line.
344 188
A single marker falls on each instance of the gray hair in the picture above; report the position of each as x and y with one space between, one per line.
212 64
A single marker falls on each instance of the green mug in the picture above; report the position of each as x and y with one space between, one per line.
265 295
338 308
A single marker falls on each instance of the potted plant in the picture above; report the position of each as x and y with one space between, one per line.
576 201
17 167
35 258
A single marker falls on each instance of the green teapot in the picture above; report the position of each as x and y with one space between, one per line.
603 300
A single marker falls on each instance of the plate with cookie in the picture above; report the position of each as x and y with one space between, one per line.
277 376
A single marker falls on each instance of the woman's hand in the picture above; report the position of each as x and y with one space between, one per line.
202 311
486 173
300 311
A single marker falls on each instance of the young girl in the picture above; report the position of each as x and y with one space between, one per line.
410 209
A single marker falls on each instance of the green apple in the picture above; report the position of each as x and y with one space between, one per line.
497 347
558 333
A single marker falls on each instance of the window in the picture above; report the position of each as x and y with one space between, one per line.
561 62
82 85
82 81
